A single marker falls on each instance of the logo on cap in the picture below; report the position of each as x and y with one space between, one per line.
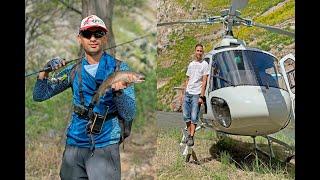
92 21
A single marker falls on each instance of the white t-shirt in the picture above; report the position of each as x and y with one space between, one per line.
196 70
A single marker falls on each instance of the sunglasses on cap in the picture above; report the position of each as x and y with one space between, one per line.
88 34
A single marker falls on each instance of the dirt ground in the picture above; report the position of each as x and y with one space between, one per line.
137 155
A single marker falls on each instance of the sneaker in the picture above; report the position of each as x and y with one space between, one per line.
190 141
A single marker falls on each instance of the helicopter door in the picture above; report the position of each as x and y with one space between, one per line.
287 66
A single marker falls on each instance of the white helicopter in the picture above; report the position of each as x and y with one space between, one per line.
249 91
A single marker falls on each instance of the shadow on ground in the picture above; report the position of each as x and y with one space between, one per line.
242 154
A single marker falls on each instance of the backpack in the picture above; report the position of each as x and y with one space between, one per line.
125 126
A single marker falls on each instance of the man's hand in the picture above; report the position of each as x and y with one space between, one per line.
55 64
119 85
52 65
200 101
123 84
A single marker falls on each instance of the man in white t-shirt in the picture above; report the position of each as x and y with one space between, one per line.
198 71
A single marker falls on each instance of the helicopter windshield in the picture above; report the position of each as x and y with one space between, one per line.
244 67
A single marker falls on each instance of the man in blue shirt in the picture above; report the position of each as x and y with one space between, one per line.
94 133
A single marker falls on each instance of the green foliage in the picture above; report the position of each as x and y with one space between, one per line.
173 133
127 5
221 4
180 54
178 164
268 39
185 3
210 5
40 16
207 134
273 39
125 29
181 57
220 176
145 99
257 7
44 116
225 144
225 158
283 13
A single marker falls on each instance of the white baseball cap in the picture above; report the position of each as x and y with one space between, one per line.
92 21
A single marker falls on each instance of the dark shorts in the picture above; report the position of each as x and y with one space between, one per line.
77 163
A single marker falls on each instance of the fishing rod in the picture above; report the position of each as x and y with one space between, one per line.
67 62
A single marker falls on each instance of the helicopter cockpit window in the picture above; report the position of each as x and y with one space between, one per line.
243 67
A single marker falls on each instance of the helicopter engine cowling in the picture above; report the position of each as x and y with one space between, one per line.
249 110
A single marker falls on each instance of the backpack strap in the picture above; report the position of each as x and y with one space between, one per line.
117 65
79 71
73 71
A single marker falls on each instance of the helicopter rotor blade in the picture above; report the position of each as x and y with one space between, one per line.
208 21
274 29
237 4
250 23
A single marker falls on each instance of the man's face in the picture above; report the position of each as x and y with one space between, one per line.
199 52
93 40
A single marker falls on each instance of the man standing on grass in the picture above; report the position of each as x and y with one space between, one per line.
198 71
94 133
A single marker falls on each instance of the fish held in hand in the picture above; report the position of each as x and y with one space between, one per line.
128 77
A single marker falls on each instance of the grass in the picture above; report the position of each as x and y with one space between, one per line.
256 7
218 159
46 115
43 158
268 39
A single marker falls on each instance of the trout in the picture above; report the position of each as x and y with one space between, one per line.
117 77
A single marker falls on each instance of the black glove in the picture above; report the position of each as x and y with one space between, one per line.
53 64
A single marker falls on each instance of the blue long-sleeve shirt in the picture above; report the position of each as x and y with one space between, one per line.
76 132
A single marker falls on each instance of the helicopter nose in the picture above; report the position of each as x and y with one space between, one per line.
254 110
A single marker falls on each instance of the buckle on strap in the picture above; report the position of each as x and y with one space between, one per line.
80 110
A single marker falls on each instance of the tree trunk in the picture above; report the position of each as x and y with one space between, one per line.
104 10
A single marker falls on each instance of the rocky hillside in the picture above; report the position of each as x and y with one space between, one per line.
176 42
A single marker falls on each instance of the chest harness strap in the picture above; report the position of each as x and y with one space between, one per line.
95 120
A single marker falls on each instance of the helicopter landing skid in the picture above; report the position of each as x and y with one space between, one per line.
271 154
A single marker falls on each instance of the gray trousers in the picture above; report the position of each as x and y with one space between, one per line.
77 163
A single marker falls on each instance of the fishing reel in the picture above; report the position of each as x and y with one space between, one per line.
56 74
56 77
